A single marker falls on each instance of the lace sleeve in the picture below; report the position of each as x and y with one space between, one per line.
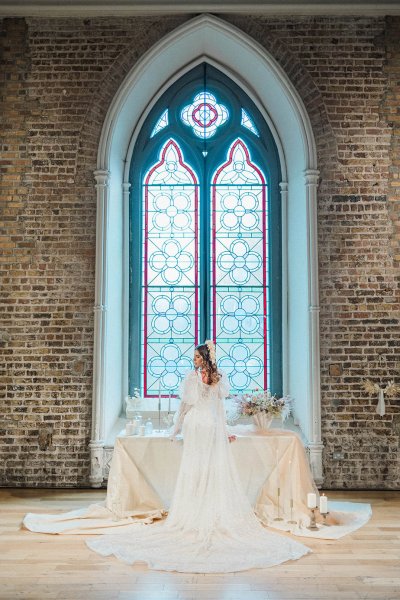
224 386
179 417
223 391
188 392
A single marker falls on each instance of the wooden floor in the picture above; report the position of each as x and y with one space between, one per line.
363 565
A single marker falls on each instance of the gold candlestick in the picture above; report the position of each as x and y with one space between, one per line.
291 492
291 512
313 524
279 518
324 516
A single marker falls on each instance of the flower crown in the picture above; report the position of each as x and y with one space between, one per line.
211 351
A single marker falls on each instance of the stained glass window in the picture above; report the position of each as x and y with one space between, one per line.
170 270
205 238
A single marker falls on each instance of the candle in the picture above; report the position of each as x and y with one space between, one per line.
290 480
323 504
311 500
169 402
159 394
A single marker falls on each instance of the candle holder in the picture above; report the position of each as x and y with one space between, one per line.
278 518
313 525
324 516
168 419
291 513
159 413
116 509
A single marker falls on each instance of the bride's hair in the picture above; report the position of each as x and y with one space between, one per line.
209 365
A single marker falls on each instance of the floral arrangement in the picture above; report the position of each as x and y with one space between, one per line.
136 398
391 390
211 351
262 401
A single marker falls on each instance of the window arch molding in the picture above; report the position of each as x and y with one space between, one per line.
207 39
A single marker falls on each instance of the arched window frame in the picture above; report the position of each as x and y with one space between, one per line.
263 152
206 38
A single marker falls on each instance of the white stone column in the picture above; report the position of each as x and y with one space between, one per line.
284 241
125 291
315 442
96 444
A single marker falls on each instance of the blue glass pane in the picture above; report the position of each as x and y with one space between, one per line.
161 123
243 362
248 123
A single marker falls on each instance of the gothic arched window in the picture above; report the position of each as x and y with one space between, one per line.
205 238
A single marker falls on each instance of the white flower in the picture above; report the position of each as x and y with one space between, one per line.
211 351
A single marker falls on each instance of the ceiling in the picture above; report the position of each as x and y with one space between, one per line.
93 8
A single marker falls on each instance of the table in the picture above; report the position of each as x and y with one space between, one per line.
143 472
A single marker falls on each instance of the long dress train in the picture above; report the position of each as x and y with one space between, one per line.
211 526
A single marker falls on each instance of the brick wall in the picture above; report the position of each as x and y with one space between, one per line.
57 81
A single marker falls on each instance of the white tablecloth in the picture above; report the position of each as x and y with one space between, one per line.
144 470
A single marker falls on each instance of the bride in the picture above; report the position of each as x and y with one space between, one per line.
211 526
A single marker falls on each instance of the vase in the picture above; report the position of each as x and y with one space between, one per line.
262 420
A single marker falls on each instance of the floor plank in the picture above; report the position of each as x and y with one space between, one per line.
362 566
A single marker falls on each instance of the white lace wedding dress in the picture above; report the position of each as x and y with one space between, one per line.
210 527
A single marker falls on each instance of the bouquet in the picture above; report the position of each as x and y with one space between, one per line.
391 390
262 401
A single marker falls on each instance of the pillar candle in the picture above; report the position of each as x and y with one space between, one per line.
311 500
323 504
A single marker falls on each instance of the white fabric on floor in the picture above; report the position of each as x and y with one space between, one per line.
143 475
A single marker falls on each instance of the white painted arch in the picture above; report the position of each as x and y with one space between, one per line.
207 38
